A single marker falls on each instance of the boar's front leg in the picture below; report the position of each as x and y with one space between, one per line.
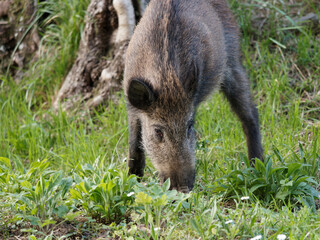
136 161
236 88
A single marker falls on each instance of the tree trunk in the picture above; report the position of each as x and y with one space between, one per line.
19 38
97 72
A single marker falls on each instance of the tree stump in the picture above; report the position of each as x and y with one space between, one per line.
97 72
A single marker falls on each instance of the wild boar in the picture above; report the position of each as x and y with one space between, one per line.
180 52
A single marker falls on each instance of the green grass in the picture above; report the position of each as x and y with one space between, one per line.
64 176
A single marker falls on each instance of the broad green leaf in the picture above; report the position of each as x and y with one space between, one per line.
240 177
34 211
276 151
38 189
111 185
26 184
75 194
286 183
166 185
259 165
6 162
282 195
47 222
103 186
300 179
33 220
72 215
143 198
276 169
292 167
160 201
66 183
255 187
268 168
82 188
61 210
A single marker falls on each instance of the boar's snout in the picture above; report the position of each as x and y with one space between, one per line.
182 182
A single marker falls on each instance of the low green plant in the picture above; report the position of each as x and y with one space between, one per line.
152 200
104 196
269 184
37 195
44 200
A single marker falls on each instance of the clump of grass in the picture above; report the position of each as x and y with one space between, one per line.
61 24
271 185
35 195
104 196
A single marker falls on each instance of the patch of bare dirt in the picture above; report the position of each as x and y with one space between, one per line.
71 230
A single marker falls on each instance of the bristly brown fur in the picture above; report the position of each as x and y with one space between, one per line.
181 51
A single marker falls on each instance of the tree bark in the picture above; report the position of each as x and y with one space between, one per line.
97 72
19 38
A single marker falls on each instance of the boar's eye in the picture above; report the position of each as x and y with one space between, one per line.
159 134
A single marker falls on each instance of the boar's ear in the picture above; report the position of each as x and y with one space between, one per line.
140 94
190 83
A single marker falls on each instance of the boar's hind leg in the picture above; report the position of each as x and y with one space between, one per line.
136 161
236 88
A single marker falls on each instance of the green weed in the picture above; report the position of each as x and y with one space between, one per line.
105 197
271 185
